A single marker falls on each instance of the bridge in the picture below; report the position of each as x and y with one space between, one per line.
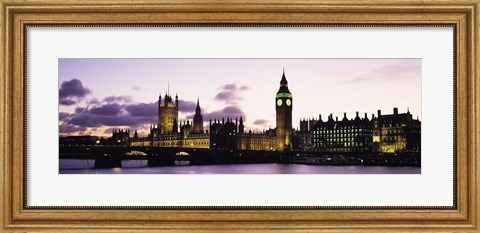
112 155
108 156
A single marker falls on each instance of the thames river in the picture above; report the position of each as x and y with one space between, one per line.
72 166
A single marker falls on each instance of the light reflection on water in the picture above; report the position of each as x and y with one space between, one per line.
72 166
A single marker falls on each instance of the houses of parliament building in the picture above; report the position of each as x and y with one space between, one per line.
223 134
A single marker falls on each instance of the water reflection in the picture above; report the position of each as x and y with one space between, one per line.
71 166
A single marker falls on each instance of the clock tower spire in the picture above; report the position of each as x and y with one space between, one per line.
283 108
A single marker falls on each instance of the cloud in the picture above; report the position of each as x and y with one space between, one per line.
230 86
230 111
73 88
67 129
114 114
143 109
92 120
137 88
230 93
67 102
260 122
186 106
72 91
63 115
94 101
405 70
79 110
112 111
107 110
226 96
108 130
85 120
117 99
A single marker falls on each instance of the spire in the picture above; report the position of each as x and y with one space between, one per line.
197 109
284 81
283 91
241 128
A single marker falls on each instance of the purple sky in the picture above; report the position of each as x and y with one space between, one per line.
97 95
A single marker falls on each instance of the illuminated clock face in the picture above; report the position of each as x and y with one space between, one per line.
289 102
279 102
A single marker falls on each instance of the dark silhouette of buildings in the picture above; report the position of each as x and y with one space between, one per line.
223 134
80 140
230 135
120 136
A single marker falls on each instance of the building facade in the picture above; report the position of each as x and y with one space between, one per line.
396 133
230 135
265 140
223 134
167 114
170 133
393 133
346 135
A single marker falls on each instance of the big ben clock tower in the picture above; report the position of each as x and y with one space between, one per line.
283 107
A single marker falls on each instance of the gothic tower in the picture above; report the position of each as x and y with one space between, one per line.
167 114
283 107
241 128
198 119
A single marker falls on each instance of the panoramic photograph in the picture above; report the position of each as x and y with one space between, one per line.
239 116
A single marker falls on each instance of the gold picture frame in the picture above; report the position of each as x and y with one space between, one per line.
16 15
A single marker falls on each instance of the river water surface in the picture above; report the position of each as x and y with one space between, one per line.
72 166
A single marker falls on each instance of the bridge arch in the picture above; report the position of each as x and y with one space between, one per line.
182 153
